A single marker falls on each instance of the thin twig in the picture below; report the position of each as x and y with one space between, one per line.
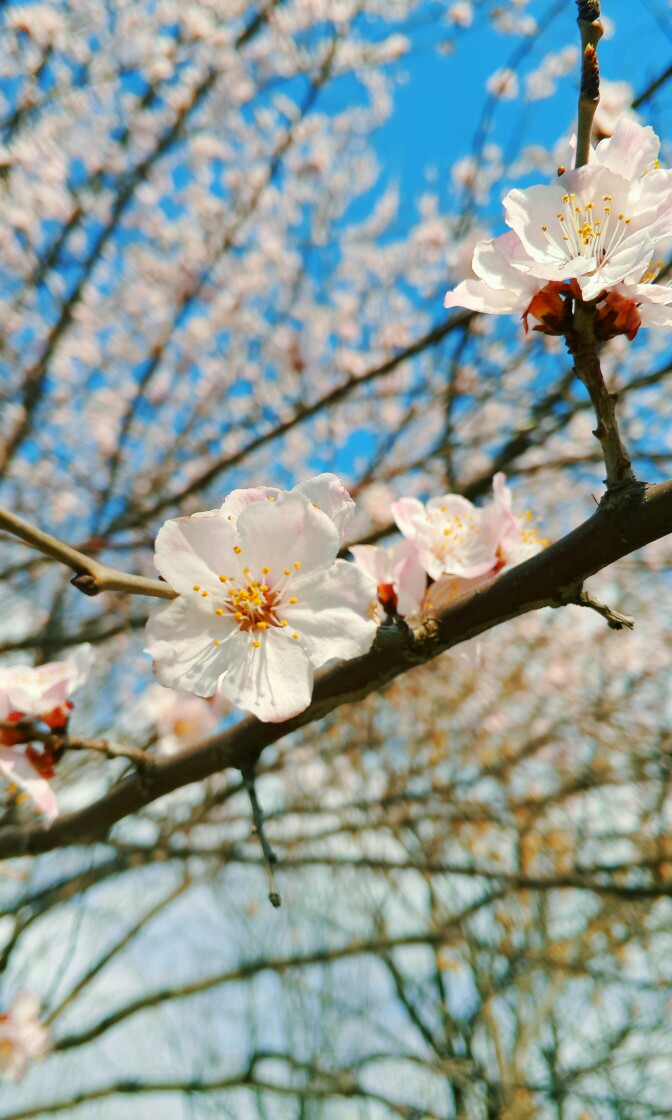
615 619
270 857
91 576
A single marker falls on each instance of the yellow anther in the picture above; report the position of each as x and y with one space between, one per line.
606 198
204 594
284 622
223 579
219 611
565 198
265 571
292 599
271 498
297 565
197 587
229 517
295 636
261 625
216 642
256 645
544 228
264 587
286 571
237 549
238 616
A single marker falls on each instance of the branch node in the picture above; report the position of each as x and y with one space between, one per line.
86 583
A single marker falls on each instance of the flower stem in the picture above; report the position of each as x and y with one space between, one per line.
91 577
589 91
583 346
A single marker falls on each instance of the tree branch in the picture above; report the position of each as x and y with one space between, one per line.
625 520
91 576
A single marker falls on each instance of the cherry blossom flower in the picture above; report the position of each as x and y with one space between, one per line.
451 535
262 602
181 719
41 693
517 536
401 578
503 84
457 539
23 1039
594 231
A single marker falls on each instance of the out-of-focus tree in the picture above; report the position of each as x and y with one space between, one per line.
212 280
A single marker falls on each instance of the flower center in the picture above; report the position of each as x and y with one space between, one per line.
586 235
254 606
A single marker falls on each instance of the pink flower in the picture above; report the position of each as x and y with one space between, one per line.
459 540
41 693
450 534
517 537
593 231
262 601
22 1037
401 578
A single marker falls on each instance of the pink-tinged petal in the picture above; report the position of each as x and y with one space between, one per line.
284 534
274 681
17 769
492 261
332 611
648 293
476 295
374 561
181 640
653 315
238 500
408 513
527 211
35 691
190 551
410 578
631 258
630 150
451 505
327 492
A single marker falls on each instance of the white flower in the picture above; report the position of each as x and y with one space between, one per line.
595 229
398 573
262 602
38 693
181 719
503 84
450 534
22 1037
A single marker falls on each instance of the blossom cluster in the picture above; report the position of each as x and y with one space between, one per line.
448 538
263 600
594 236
